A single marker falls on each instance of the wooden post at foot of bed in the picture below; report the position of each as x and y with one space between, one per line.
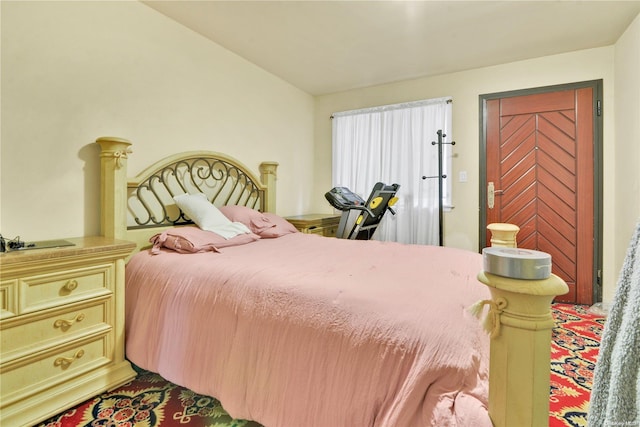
503 234
519 376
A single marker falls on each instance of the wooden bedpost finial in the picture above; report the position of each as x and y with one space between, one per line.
268 176
113 185
117 148
503 234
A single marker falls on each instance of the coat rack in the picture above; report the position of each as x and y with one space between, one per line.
440 177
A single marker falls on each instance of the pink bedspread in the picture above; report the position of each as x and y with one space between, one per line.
307 331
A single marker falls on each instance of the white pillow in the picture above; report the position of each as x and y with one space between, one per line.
206 216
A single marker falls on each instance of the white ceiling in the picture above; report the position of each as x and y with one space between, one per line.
329 46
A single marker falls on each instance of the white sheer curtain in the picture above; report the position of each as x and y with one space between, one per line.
392 144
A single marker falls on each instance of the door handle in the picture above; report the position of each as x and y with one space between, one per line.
491 193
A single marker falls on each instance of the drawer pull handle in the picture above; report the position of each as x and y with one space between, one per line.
65 362
66 324
70 286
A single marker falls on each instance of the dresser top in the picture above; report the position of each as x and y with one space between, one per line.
81 246
314 218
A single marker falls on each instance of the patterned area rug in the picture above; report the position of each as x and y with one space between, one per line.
148 401
574 350
151 401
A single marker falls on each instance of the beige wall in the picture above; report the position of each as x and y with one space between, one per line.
74 71
627 140
461 224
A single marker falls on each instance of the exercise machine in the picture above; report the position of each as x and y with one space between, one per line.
367 214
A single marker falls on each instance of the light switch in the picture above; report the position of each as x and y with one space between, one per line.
462 176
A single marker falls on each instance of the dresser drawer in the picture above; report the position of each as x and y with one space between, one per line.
35 333
63 287
8 298
330 231
20 380
314 230
327 231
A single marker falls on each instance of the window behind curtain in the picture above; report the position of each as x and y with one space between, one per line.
393 144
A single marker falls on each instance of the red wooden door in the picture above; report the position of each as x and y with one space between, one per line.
540 159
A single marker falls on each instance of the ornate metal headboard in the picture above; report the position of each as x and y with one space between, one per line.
138 208
150 201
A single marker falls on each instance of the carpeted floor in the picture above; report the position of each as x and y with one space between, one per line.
574 349
151 401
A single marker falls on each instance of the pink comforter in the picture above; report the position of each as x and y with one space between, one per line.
307 331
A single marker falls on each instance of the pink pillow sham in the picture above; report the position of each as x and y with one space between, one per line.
251 218
282 227
266 225
192 239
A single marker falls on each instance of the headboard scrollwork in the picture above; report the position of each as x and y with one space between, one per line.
128 207
150 202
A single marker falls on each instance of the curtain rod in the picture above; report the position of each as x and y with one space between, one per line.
448 100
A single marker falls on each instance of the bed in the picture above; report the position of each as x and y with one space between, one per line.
292 329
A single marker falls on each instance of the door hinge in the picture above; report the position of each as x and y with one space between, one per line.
599 108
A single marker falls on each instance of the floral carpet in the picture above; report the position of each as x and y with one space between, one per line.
148 401
151 401
574 349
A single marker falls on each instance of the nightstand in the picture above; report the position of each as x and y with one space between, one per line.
323 224
61 327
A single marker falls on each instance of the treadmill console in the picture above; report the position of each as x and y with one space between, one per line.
343 199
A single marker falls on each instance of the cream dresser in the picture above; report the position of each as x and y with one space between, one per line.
61 327
323 224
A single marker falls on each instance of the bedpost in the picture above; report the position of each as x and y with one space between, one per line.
268 176
520 355
503 234
113 186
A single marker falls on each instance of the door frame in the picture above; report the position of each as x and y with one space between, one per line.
596 85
